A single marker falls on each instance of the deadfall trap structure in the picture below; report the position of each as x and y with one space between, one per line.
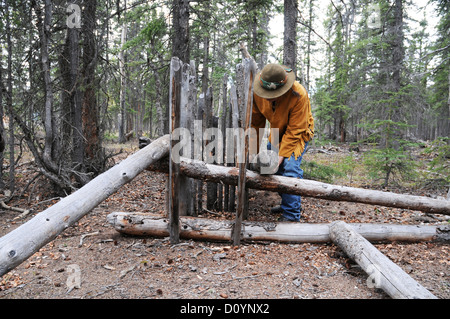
185 198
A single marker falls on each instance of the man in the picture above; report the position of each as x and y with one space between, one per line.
284 102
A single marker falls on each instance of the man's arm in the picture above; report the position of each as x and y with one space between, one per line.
300 128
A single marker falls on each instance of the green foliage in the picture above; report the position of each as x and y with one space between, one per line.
347 166
439 166
387 163
319 172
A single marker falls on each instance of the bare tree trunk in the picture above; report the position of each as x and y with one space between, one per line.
2 128
123 84
44 35
89 105
308 50
447 132
48 120
174 167
158 98
9 101
290 34
71 98
77 132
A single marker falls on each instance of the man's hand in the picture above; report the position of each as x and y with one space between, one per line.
280 160
266 162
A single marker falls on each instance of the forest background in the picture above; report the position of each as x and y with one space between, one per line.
76 75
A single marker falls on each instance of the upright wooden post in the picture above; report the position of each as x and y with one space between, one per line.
198 154
174 167
192 101
185 189
211 122
224 117
236 233
231 158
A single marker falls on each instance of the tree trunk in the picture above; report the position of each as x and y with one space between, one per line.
123 84
2 127
72 126
173 190
146 224
44 27
383 273
9 102
180 20
290 34
24 241
48 83
89 107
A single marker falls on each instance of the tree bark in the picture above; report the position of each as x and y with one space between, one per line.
242 209
9 101
304 187
180 44
2 127
383 273
146 224
123 84
44 27
89 107
290 34
24 241
175 205
72 126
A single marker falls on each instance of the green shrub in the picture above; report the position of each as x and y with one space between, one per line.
319 172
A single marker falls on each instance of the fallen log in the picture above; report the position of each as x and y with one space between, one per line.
230 175
383 273
145 224
24 241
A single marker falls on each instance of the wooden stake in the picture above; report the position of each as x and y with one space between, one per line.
174 167
236 232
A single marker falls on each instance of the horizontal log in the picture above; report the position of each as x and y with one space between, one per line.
146 224
24 241
383 273
230 175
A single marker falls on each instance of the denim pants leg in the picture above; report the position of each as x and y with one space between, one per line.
291 204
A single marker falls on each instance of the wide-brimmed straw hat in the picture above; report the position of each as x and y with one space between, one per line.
273 81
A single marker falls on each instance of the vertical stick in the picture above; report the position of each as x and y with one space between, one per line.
224 125
192 100
198 155
174 167
234 120
236 232
185 191
211 122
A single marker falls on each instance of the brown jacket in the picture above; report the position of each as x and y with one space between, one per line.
292 116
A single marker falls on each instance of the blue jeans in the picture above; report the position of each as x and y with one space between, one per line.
291 204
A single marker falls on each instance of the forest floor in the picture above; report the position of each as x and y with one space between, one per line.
117 266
